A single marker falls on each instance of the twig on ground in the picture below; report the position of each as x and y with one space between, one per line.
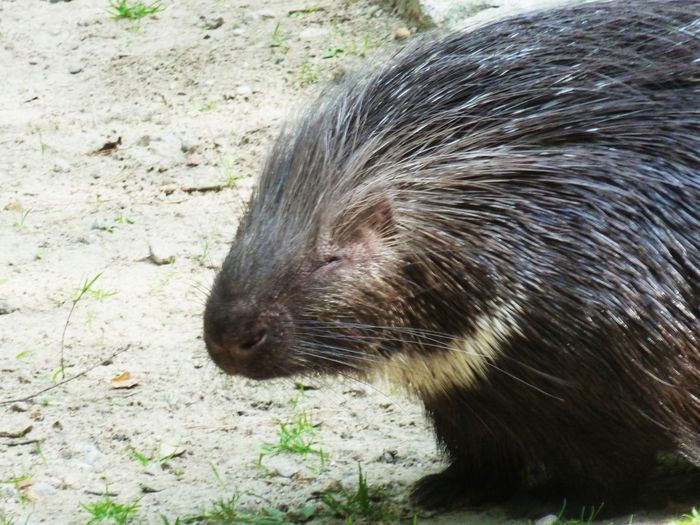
61 383
85 288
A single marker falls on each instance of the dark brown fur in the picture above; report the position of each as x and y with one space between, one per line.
521 204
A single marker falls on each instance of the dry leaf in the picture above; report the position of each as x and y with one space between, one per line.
25 484
124 380
170 449
26 487
193 160
17 434
108 147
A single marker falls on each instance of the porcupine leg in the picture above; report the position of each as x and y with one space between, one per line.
483 468
585 472
460 483
611 489
486 467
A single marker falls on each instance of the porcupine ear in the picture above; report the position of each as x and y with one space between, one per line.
376 218
361 229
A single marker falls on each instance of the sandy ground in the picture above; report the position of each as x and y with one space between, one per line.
193 97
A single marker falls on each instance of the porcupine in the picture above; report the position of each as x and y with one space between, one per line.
506 221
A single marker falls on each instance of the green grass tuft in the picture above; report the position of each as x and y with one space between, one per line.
139 456
296 436
586 517
123 219
333 52
5 519
365 503
297 13
108 510
308 74
16 481
277 38
134 10
19 223
225 512
692 518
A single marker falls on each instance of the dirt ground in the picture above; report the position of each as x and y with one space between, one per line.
116 135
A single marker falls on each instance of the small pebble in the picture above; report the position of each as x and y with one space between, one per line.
161 252
6 308
549 519
102 224
188 145
372 11
402 33
75 69
311 33
92 238
339 73
61 166
389 456
193 160
87 454
14 206
170 449
333 485
169 189
259 15
244 91
283 466
212 23
43 489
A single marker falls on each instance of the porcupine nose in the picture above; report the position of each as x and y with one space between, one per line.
234 332
237 335
252 339
246 336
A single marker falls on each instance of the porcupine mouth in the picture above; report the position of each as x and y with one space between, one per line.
252 367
